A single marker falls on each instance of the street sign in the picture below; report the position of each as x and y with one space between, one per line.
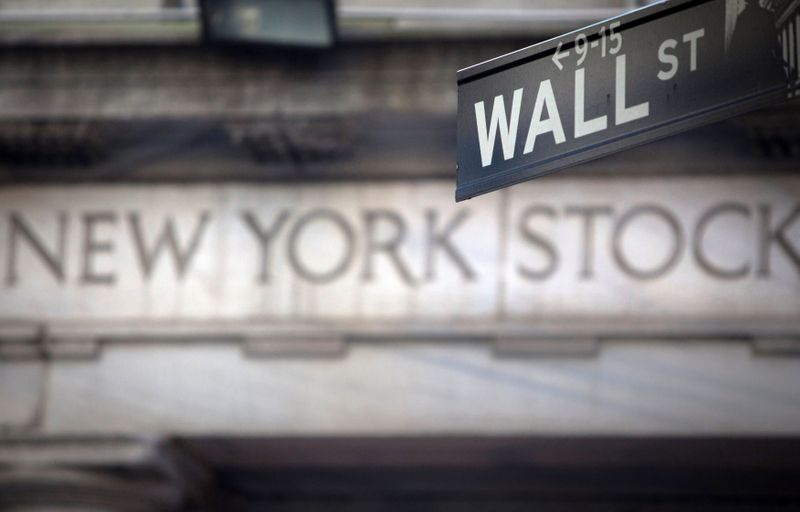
629 80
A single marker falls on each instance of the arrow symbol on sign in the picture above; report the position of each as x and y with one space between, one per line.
558 56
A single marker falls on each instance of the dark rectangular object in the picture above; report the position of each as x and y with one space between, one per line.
626 81
297 23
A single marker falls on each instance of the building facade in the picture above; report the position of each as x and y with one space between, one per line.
236 278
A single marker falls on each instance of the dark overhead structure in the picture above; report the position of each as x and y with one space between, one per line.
298 23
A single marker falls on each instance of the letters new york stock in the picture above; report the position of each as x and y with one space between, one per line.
674 246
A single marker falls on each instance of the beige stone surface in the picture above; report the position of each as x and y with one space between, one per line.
404 251
395 388
23 386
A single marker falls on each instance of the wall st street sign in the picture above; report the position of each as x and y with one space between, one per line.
623 82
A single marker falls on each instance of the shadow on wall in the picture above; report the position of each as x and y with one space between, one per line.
746 22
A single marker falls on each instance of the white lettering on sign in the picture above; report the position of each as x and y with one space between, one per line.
667 56
626 114
499 122
583 42
544 99
608 40
669 59
692 38
508 126
582 126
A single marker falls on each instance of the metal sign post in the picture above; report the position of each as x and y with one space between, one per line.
645 75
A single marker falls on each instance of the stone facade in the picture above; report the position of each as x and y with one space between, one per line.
199 244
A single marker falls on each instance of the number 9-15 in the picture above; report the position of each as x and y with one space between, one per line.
606 35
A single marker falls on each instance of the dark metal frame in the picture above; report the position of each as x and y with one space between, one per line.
206 30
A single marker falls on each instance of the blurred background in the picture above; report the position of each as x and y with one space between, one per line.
233 275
